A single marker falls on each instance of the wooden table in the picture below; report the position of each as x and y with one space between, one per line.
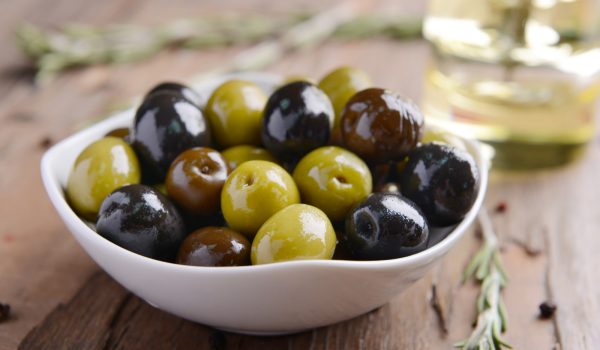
60 299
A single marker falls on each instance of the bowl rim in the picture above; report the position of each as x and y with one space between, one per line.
58 199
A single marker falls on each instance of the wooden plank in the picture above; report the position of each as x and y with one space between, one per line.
84 322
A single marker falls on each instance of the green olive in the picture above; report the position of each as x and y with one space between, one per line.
237 155
297 232
234 111
254 192
341 84
101 168
333 180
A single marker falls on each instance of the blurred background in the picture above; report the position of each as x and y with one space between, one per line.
521 75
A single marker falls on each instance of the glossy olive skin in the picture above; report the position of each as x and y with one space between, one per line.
340 85
333 180
195 179
343 83
442 180
165 125
100 168
187 92
141 219
255 191
214 246
234 111
385 226
298 118
297 232
380 126
237 155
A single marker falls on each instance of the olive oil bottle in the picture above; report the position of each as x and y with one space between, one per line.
522 76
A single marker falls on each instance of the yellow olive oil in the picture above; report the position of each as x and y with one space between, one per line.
521 75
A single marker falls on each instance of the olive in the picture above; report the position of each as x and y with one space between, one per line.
296 232
385 226
165 125
187 92
380 126
195 179
333 180
340 85
214 246
141 219
234 111
298 118
442 180
99 169
255 191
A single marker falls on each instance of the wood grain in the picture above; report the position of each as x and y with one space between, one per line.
59 298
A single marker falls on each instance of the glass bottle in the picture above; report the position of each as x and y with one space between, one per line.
520 75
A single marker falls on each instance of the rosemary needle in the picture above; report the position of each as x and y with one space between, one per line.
76 45
486 267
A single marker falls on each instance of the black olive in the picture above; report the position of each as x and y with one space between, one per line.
442 180
298 118
166 124
141 219
385 226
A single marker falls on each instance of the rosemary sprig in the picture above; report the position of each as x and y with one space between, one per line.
82 45
371 25
486 267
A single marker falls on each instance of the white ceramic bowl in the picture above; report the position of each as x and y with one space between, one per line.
266 299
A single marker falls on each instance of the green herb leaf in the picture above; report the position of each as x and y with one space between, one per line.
486 267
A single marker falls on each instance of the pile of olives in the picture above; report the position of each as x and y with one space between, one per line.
250 178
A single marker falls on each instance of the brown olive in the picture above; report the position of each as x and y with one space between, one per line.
214 246
195 179
381 126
